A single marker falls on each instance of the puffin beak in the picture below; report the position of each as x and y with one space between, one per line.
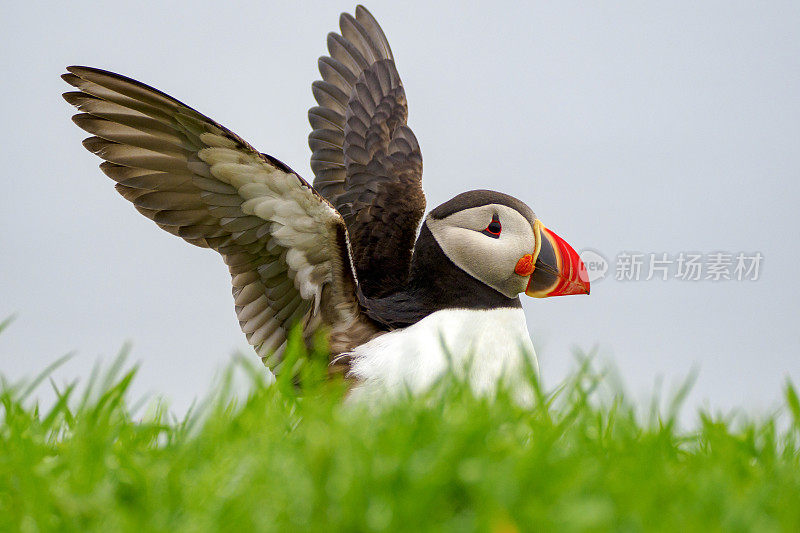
558 269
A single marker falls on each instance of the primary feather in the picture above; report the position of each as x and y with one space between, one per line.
365 157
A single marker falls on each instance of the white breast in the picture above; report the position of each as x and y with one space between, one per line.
486 344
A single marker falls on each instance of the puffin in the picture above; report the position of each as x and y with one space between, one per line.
400 297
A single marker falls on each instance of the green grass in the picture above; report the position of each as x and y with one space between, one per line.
583 458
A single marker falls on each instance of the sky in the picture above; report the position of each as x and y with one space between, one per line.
631 128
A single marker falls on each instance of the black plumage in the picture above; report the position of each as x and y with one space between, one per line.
435 283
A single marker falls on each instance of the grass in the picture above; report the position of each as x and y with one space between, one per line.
287 458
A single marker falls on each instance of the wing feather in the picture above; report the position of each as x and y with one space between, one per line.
284 244
365 159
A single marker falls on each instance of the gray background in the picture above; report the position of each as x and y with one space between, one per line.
651 127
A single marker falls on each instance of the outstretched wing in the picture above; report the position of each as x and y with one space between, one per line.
285 245
365 158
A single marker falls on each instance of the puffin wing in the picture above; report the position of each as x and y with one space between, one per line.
366 160
285 245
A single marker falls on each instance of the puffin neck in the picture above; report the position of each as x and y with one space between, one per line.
435 283
434 275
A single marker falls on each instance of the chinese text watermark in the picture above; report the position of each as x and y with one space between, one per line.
683 266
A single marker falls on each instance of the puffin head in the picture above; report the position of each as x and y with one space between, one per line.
498 240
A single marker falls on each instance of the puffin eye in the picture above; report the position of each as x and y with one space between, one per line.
494 228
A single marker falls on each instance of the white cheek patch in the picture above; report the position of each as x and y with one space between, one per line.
487 259
470 250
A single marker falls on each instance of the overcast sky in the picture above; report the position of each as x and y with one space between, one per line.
628 127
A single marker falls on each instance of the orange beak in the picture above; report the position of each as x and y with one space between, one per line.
558 270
